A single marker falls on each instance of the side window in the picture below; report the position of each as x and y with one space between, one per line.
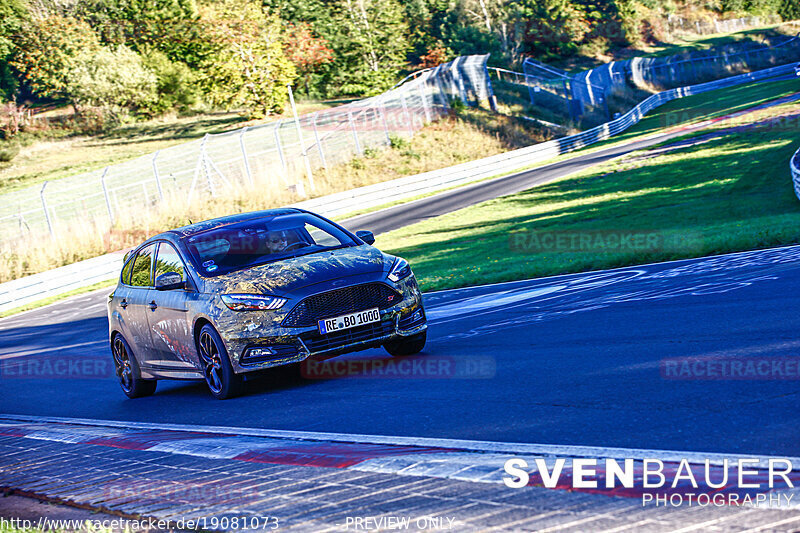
168 260
126 272
142 266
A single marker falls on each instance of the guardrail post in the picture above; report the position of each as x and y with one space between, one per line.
318 142
244 156
46 212
105 195
155 175
353 130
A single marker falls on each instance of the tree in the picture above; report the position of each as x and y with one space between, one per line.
170 26
306 51
12 14
248 66
550 27
370 45
46 52
113 79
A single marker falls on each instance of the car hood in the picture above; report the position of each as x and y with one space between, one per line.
283 277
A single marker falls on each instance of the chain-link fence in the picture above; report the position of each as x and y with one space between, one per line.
575 96
276 154
558 90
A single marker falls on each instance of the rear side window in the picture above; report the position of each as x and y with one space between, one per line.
126 272
169 261
141 273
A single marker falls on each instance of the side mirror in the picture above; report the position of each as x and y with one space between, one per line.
169 281
366 236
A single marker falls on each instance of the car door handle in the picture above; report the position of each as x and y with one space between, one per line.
123 304
153 305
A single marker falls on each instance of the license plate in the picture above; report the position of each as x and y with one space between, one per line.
351 320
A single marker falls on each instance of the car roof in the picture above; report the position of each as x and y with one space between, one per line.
206 225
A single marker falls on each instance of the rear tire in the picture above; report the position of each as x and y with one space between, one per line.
222 381
127 370
407 345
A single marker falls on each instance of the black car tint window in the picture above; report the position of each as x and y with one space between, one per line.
168 260
142 267
264 240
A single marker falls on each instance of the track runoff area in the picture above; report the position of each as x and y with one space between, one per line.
696 355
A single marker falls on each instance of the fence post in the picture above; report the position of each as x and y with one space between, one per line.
409 123
280 154
105 195
303 150
244 156
425 103
46 213
383 119
204 162
353 129
155 175
318 142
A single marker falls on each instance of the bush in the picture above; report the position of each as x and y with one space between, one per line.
397 142
175 85
8 151
115 80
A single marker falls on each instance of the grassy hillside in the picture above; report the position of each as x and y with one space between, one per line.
724 189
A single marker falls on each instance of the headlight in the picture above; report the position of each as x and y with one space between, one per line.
252 302
401 269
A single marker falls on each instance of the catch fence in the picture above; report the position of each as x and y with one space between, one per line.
276 155
590 91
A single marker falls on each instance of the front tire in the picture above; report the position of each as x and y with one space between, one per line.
127 370
222 381
407 345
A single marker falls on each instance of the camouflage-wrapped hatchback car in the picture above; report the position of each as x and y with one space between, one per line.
217 299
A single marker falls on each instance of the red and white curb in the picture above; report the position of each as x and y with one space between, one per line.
461 460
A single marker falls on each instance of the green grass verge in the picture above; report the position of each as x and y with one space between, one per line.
53 299
728 193
680 112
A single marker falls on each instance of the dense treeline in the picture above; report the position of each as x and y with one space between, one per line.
146 57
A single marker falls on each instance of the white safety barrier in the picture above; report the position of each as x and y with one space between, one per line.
794 166
408 187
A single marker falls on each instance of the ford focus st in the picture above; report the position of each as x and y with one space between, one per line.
218 299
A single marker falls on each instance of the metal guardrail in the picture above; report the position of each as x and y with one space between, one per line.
794 166
339 204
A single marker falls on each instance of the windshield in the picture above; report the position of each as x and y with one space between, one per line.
263 240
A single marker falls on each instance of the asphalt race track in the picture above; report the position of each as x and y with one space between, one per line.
586 359
574 360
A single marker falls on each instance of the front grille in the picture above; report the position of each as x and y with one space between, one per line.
282 351
340 302
412 320
316 342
